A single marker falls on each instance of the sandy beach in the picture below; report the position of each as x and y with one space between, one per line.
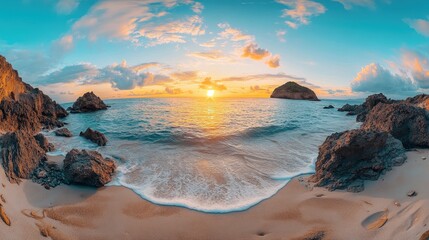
298 211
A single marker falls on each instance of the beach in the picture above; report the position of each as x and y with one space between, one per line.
297 211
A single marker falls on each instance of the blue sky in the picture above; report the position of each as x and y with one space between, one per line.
239 48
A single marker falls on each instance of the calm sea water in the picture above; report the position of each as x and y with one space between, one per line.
216 155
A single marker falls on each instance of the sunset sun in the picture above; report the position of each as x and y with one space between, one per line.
210 93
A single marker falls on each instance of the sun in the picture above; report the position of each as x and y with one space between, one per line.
210 93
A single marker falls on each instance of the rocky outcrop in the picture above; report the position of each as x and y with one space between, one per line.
23 107
292 90
21 155
421 101
328 107
404 121
63 132
44 143
94 136
348 158
88 168
89 102
362 110
48 174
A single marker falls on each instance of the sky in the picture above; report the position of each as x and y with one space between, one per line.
239 48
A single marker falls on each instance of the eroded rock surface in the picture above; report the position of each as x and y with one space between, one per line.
89 102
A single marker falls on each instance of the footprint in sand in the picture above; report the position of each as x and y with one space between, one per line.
375 220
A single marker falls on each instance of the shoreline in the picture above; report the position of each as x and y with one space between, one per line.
296 210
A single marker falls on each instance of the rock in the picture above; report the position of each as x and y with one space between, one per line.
292 90
421 101
423 158
425 235
48 174
405 122
89 102
42 174
346 159
4 216
63 132
44 143
94 136
23 107
328 107
362 110
88 168
21 155
412 193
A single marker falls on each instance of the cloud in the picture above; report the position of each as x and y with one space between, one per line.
418 65
258 77
215 55
173 31
252 51
185 76
197 7
281 35
62 46
120 76
420 25
207 83
137 21
273 61
300 11
66 6
144 66
233 34
374 78
348 4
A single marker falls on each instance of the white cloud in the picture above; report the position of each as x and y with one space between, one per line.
273 61
233 34
197 7
66 6
418 65
281 35
137 21
254 52
374 78
348 4
420 25
300 11
213 55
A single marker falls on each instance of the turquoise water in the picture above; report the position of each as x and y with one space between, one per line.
216 155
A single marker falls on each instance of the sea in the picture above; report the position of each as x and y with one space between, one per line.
212 155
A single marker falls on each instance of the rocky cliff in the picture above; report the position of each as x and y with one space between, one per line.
292 90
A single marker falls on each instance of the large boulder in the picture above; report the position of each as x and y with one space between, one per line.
404 121
21 155
292 90
23 107
94 136
89 102
88 168
421 100
63 132
348 158
362 110
44 143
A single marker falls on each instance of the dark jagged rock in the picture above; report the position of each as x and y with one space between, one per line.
44 143
292 90
404 121
346 159
362 110
21 155
88 168
95 136
89 102
328 107
23 107
48 174
421 101
63 132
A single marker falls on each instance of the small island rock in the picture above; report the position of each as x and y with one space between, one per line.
94 136
292 90
63 132
89 102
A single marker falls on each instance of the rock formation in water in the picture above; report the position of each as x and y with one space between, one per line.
94 136
89 102
292 90
404 121
348 158
63 132
88 168
21 155
362 110
421 101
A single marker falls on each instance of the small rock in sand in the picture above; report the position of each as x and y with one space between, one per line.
425 236
42 174
398 204
2 198
4 216
412 193
423 158
320 195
